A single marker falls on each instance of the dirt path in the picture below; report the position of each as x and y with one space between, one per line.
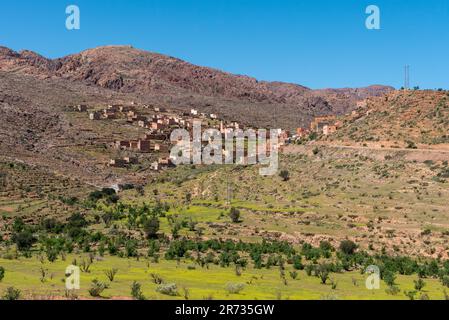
419 155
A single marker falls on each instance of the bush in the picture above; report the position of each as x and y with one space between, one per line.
24 240
419 284
392 290
151 227
285 175
111 274
2 273
169 289
97 288
410 294
12 294
323 273
131 247
445 281
235 288
389 278
157 279
411 145
76 220
348 247
136 291
297 263
234 214
106 193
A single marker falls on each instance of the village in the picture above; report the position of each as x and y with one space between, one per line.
159 122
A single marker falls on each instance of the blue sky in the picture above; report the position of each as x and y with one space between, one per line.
316 43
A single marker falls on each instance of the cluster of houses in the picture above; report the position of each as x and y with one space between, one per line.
325 125
111 112
161 123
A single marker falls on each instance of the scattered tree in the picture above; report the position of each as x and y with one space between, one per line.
12 293
151 227
136 291
234 214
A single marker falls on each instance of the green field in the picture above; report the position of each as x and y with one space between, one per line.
25 274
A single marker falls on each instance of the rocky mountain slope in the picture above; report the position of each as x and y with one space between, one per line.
128 70
400 119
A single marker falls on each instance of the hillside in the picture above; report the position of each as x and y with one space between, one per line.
401 119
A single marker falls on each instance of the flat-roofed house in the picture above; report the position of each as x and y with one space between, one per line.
81 108
121 144
144 146
130 160
117 163
327 130
95 115
158 126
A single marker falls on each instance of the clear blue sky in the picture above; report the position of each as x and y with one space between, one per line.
316 43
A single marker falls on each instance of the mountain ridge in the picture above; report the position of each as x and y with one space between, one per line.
123 68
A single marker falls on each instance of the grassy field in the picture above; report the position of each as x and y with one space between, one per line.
388 205
385 203
26 275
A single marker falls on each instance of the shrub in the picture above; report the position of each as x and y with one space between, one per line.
97 288
136 291
151 227
393 290
410 294
234 214
131 248
389 278
24 240
2 273
111 274
445 281
12 293
348 247
157 279
323 273
411 145
419 284
325 246
169 289
235 288
334 284
77 220
297 263
285 175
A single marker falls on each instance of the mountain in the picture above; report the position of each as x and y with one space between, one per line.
181 84
37 128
